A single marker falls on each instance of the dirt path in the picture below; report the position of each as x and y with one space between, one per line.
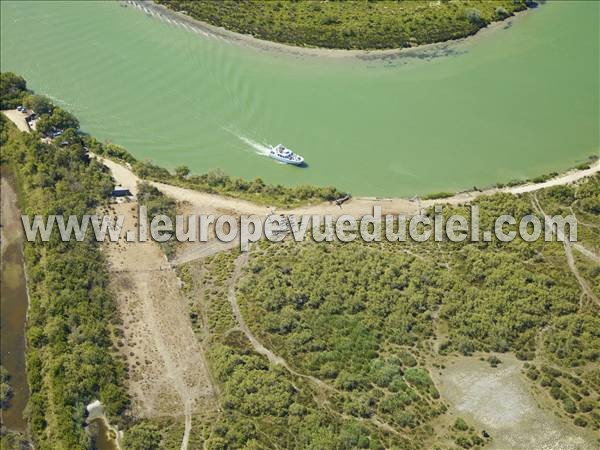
202 250
239 264
569 254
168 374
586 252
358 206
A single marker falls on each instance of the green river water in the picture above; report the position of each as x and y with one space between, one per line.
513 102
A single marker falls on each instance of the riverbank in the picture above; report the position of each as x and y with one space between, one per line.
361 205
248 40
356 206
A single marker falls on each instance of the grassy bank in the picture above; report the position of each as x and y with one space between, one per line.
351 24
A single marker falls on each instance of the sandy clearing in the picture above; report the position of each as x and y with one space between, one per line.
499 401
18 118
168 374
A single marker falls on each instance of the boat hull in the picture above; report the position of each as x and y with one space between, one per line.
288 161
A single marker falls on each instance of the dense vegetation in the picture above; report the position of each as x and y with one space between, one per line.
354 317
13 89
351 24
362 326
263 405
13 93
69 356
51 118
157 203
372 321
6 390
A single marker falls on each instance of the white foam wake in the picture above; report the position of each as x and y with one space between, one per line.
259 148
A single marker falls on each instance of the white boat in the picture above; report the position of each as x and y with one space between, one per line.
285 155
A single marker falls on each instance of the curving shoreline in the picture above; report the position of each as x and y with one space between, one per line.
430 50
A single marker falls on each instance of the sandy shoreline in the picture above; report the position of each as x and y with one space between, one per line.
356 206
425 50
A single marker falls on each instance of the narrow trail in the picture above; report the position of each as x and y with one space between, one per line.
174 372
586 252
239 264
186 393
188 426
569 254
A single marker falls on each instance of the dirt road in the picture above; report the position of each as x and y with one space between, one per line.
358 206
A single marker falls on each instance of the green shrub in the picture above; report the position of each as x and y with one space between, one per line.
501 13
581 421
474 16
437 195
142 436
13 89
460 425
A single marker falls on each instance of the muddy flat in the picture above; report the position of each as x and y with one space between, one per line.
13 304
498 400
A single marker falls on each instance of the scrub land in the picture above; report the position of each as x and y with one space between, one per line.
304 345
351 24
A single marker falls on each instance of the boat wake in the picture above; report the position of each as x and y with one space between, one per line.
261 149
